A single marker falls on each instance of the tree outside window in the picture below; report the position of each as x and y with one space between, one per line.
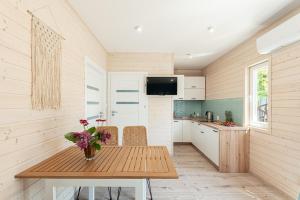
259 94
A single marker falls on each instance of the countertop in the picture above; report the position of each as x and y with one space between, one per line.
212 124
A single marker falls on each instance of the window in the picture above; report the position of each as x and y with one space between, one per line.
258 93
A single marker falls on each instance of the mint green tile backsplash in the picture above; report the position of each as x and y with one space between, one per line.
185 108
219 106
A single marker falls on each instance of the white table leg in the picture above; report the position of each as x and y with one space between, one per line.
50 189
92 193
141 190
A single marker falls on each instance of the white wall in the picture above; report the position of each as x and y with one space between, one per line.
27 136
160 108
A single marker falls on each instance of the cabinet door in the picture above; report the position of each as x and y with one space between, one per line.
186 131
202 139
193 131
194 82
180 88
214 146
177 131
194 94
211 144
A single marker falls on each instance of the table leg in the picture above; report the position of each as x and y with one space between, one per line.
91 193
50 190
141 190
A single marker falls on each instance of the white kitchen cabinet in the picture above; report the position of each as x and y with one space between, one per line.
206 139
194 82
194 94
182 130
186 131
193 131
215 146
180 88
177 131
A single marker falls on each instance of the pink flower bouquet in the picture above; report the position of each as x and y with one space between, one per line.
89 137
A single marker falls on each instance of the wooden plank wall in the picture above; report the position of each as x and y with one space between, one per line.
28 136
160 109
274 153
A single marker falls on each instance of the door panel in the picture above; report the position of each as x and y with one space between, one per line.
95 92
128 101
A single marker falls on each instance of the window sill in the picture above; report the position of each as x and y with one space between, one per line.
259 128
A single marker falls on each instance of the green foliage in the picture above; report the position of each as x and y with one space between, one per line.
92 130
97 146
70 137
262 83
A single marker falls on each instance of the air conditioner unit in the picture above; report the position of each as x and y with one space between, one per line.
283 35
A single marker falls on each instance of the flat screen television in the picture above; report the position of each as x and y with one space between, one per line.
161 85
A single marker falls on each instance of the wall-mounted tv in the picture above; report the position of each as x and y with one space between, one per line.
161 85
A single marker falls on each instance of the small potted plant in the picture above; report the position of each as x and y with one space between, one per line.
89 139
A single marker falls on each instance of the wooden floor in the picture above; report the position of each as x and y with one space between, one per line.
199 180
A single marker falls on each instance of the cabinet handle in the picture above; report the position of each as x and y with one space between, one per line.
193 86
193 98
215 131
201 131
175 121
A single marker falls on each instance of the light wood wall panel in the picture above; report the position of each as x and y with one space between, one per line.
160 109
27 136
274 153
188 72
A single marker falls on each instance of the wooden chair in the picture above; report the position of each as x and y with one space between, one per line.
113 141
113 130
136 136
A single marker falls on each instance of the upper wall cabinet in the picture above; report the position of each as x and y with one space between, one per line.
194 88
191 82
180 88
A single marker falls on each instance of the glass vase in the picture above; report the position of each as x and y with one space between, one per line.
89 152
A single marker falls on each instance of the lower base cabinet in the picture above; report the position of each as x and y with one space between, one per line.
207 141
182 131
227 148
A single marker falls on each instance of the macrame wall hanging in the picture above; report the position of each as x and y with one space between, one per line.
45 66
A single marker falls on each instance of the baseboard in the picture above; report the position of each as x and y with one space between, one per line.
182 143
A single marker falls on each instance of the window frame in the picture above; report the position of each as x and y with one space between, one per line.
251 113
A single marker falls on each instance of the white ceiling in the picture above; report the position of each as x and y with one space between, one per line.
177 26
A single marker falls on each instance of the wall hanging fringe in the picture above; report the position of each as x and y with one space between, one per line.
45 66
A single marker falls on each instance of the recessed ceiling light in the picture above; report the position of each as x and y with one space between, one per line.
189 55
211 29
138 28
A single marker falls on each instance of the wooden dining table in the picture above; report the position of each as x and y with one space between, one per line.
113 166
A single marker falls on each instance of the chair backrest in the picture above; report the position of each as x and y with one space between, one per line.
135 136
113 130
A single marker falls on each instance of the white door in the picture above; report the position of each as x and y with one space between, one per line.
95 92
128 100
